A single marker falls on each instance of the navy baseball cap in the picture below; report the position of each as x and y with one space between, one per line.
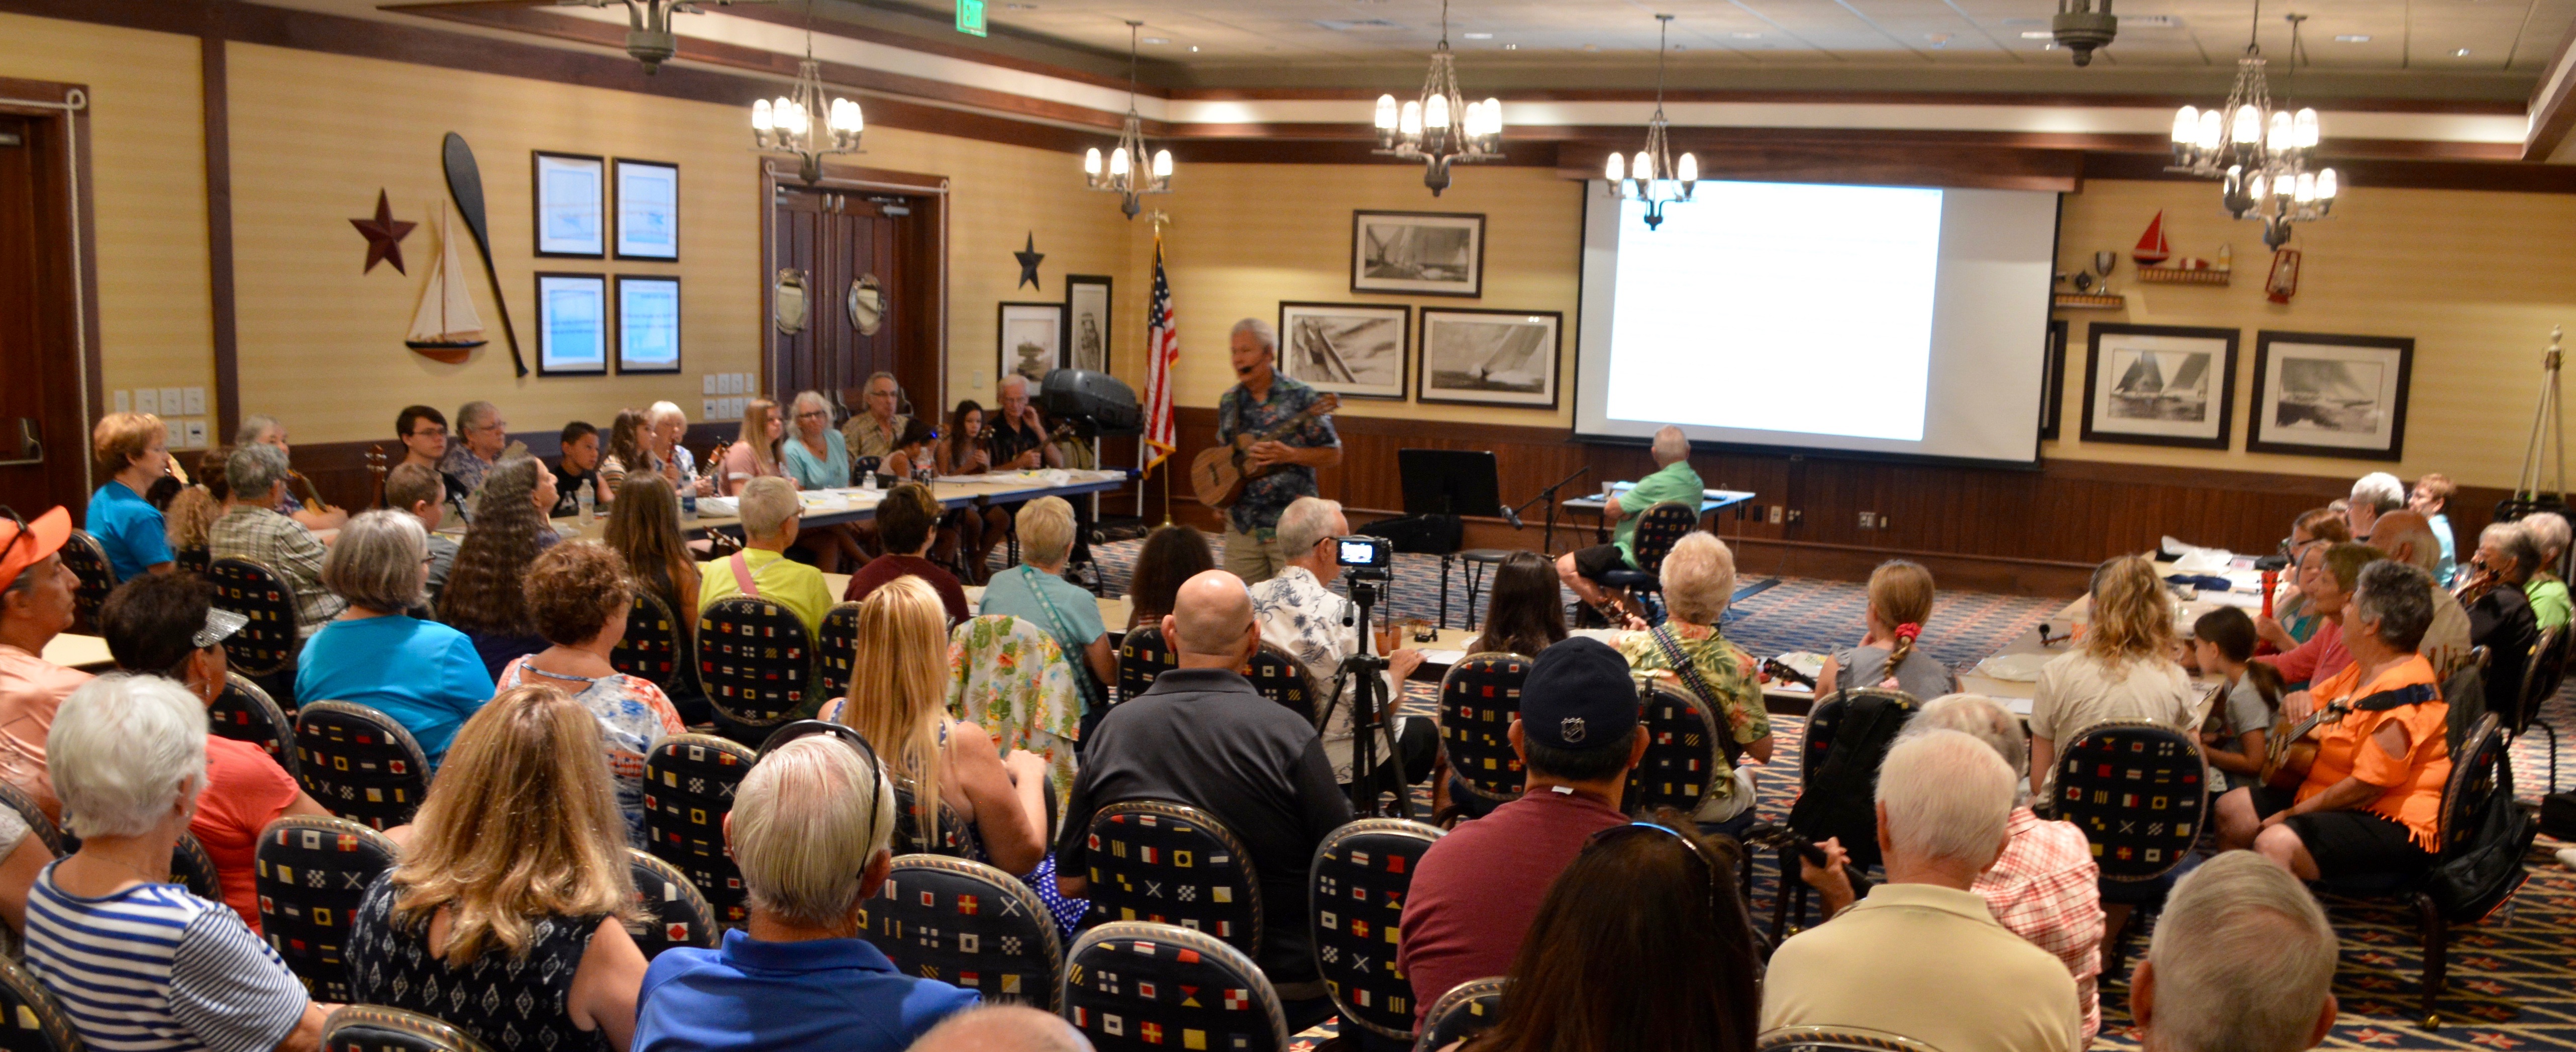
1578 696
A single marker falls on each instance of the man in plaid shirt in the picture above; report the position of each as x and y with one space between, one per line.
254 530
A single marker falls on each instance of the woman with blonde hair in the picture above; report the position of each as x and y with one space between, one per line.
2123 670
514 888
754 452
1900 602
1688 652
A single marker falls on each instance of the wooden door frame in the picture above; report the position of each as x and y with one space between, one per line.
932 190
76 272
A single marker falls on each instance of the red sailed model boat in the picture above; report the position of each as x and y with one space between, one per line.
2151 248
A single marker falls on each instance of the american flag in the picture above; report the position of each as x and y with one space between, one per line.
1163 346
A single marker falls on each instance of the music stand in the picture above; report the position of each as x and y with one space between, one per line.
1450 483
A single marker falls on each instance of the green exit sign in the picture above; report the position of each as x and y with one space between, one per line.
970 17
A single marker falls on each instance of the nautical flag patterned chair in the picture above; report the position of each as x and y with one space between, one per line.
1144 987
18 800
1009 677
1356 889
2139 791
836 647
192 868
755 661
1280 677
669 910
30 1019
1658 529
655 647
969 925
689 781
375 1028
245 713
1683 748
1835 1039
1151 860
1468 1009
359 763
269 643
310 873
1479 699
88 562
1143 656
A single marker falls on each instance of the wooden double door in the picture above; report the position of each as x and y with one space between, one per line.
867 254
46 342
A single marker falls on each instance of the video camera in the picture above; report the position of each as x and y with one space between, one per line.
1364 556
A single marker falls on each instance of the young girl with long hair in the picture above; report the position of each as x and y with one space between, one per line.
1900 602
1526 612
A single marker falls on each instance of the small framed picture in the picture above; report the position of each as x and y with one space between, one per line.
1354 349
1030 338
648 210
569 190
648 323
2330 396
572 324
1418 253
2052 379
2159 385
1086 322
1490 357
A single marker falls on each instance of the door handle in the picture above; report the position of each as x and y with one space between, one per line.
31 443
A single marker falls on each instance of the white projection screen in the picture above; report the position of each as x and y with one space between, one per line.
1909 321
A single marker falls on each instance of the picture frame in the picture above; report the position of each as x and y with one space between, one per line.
1087 332
1418 253
568 190
2052 379
1028 339
2159 385
572 324
2328 395
648 324
648 210
1490 357
1357 350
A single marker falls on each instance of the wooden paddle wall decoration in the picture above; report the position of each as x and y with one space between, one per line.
465 184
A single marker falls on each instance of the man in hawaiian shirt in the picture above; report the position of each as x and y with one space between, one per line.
1299 611
1261 401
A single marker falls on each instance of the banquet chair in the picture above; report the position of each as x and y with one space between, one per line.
269 643
192 868
1834 1039
1356 888
836 646
2542 675
97 577
1479 699
1010 677
35 1021
2139 791
1143 656
1685 743
1468 1009
1144 987
1280 677
756 663
655 647
1848 735
44 828
689 782
310 872
670 912
359 763
245 713
1658 529
967 924
1152 860
375 1028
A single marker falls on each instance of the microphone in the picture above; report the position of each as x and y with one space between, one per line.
1512 517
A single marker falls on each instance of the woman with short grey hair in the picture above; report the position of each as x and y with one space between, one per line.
380 562
424 674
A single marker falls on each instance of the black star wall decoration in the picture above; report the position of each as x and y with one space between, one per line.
1029 258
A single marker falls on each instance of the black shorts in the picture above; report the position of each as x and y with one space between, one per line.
2346 843
1599 559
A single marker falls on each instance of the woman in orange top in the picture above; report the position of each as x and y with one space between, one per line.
2371 800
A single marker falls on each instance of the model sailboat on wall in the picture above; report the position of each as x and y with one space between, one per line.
445 327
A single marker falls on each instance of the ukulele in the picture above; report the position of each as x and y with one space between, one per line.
1784 672
2288 752
376 467
1218 473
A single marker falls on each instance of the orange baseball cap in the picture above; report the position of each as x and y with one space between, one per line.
45 536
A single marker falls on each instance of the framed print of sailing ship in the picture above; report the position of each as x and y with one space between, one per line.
569 191
445 328
648 324
1419 253
2332 396
1349 349
2159 385
1490 357
572 324
648 210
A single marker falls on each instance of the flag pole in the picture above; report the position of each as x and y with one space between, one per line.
1161 219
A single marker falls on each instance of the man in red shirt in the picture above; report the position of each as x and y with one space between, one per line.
1477 889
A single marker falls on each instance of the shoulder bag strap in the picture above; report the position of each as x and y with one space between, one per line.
1670 643
1063 630
742 575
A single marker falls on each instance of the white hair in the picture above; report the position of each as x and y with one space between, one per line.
797 407
376 562
2243 960
2424 549
1259 329
1003 1028
766 503
1979 717
2381 491
1307 521
124 751
1670 445
2549 530
661 411
1009 379
1046 531
1698 578
1947 796
807 821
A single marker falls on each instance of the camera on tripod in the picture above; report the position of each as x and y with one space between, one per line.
1370 558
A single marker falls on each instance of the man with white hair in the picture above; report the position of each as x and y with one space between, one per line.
1003 1028
1018 435
1672 480
770 514
679 466
2242 961
810 828
1301 614
873 431
2373 495
1262 401
481 435
2405 536
1923 956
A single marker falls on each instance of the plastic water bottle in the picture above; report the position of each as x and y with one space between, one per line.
585 499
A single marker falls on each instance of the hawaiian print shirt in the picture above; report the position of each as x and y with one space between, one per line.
1728 670
1010 677
1265 497
1306 619
634 716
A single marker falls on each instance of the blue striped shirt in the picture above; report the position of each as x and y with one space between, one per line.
156 969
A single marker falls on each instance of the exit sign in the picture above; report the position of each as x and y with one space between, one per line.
970 17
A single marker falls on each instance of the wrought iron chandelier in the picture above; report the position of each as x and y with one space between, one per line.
788 124
649 38
1129 173
2259 154
1654 178
1441 128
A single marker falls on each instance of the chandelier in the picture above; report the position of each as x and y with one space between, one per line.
1128 174
786 125
1653 178
2259 154
1441 129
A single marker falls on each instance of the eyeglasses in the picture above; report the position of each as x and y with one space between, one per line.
847 736
814 413
1615 833
435 432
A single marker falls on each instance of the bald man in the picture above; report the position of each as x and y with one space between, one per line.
1003 1028
1203 737
2406 536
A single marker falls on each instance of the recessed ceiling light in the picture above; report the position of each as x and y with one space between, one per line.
1158 40
1746 36
2037 34
1194 49
1019 7
1511 47
1937 39
1478 36
2461 53
2352 38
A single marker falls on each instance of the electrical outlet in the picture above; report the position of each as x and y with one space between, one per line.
706 383
171 401
147 400
979 380
707 406
1795 515
124 400
193 401
1775 514
1866 519
172 433
1882 522
196 434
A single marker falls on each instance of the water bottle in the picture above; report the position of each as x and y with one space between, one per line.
586 500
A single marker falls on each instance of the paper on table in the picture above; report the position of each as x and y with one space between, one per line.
717 506
1443 657
2198 560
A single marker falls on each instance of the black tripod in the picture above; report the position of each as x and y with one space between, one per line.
1365 674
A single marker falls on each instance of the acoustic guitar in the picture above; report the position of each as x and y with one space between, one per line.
1218 473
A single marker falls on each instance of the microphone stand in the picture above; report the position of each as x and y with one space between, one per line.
1549 495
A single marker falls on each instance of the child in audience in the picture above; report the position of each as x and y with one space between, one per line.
1900 601
2232 736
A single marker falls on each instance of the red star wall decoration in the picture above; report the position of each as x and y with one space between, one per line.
384 236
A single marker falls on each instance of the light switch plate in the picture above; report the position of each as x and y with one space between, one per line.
124 400
706 383
171 400
707 406
194 401
172 433
147 400
196 434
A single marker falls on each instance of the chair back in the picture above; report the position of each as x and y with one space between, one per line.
969 925
88 562
192 868
1144 987
1356 891
655 647
2541 675
755 660
195 560
1835 1039
1479 699
2464 690
1152 860
245 713
35 1022
310 872
670 912
1280 677
375 1028
958 837
862 467
1468 1009
44 828
836 645
2139 790
1143 656
1659 528
689 781
1848 735
269 643
1008 676
1684 749
2482 766
359 763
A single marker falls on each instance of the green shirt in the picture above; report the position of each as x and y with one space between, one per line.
1675 482
2548 601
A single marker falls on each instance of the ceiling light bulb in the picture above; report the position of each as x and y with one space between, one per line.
2326 185
2186 126
1615 169
2304 189
1643 167
2027 34
1473 121
1478 36
1118 164
761 121
1435 112
1410 122
1162 164
2306 124
2352 38
2461 53
1493 116
1689 169
2257 187
1385 112
2249 124
2283 134
2210 121
1091 162
1158 40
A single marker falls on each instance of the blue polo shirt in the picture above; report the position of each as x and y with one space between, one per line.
753 996
129 527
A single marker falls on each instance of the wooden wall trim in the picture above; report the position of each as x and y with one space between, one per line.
213 81
2553 104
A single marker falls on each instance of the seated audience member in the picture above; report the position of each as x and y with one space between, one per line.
2242 961
915 448
2548 594
481 435
1476 891
2291 622
810 828
35 606
1018 434
1003 1028
1203 737
1688 652
679 467
1036 591
876 430
628 448
2403 537
127 447
2232 739
134 962
252 529
1300 613
1673 480
898 701
2502 619
812 454
2431 498
514 887
578 467
423 432
424 674
967 450
770 514
2327 574
485 597
192 512
1923 955
2123 669
644 530
2370 800
167 626
754 452
1171 555
578 596
906 517
1900 603
420 491
1525 611
2373 495
268 430
1641 943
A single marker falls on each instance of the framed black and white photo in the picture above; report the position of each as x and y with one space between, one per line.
570 190
1086 322
1490 357
2330 396
1031 341
1351 349
648 324
572 324
2159 385
1418 253
648 210
2052 378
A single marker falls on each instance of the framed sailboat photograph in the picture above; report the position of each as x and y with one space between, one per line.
1489 357
2159 385
2330 396
1418 253
570 191
572 324
648 324
648 210
445 328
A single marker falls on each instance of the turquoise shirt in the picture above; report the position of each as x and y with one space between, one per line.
1015 592
831 472
425 675
1674 482
129 527
2448 569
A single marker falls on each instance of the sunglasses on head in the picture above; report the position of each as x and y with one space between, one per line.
1616 833
23 534
845 735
